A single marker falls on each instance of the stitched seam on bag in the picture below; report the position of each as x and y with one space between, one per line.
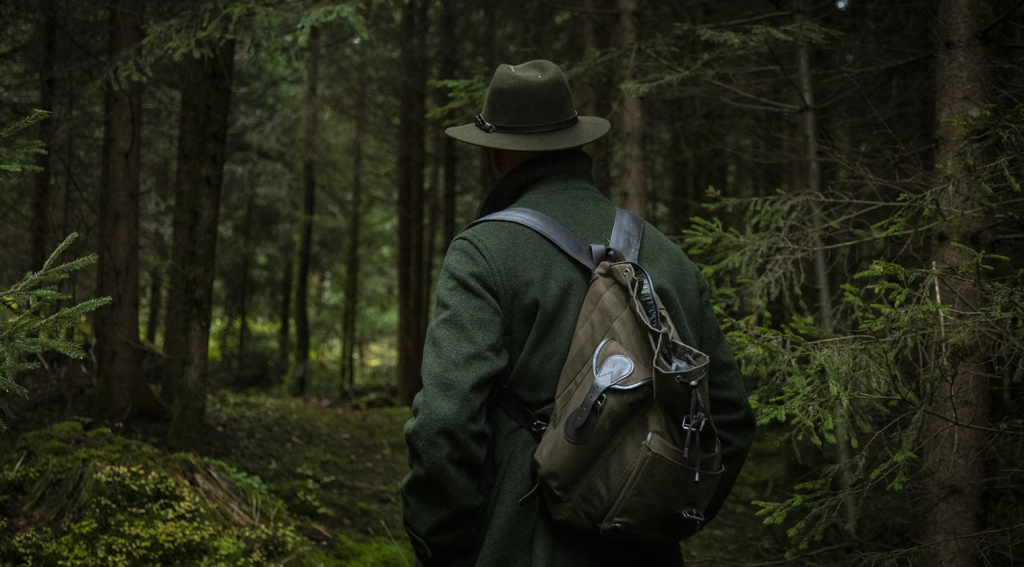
576 383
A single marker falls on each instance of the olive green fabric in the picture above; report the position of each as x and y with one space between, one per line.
532 96
507 304
628 433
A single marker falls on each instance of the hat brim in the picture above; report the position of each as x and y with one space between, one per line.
588 129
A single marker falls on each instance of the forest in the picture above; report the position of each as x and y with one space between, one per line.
221 222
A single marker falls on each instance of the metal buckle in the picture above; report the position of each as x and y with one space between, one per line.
688 424
483 124
693 516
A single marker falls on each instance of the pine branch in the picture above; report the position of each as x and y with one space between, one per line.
27 331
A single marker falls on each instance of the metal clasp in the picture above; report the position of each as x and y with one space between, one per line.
688 424
483 124
537 428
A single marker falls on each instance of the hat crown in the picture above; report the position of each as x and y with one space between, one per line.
532 94
529 107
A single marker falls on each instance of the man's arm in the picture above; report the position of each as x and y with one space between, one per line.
448 435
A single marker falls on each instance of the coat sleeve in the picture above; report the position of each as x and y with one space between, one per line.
448 435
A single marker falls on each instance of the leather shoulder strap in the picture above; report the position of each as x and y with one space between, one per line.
546 227
626 235
625 240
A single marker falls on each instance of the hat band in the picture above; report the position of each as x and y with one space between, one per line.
538 129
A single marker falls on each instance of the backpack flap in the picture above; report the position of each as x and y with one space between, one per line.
587 415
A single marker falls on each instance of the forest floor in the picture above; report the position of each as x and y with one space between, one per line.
334 468
339 466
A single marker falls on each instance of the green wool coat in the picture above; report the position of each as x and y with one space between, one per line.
507 302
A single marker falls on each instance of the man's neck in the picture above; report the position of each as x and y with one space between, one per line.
501 162
563 164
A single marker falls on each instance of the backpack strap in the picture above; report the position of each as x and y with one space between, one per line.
514 408
548 228
626 235
623 246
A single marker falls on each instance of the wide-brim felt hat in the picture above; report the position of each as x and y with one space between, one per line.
529 108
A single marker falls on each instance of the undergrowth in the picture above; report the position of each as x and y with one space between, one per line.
339 466
79 497
285 482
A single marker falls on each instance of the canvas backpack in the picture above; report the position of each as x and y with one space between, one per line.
630 450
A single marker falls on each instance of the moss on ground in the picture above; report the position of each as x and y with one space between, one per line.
284 482
337 466
78 497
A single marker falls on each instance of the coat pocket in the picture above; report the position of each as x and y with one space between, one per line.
663 499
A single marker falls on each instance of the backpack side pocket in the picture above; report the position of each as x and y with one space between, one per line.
661 502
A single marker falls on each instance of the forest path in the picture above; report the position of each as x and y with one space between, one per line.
337 465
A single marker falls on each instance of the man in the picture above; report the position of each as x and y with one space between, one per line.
507 302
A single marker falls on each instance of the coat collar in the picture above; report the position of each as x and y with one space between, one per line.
547 166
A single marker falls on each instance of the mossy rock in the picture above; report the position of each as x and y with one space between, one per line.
89 497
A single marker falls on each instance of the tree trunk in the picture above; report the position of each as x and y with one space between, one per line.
588 100
299 372
449 62
68 286
954 443
634 176
349 318
449 212
681 180
156 284
426 234
285 308
586 90
41 193
432 212
162 187
411 160
809 120
826 318
205 102
245 286
121 391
